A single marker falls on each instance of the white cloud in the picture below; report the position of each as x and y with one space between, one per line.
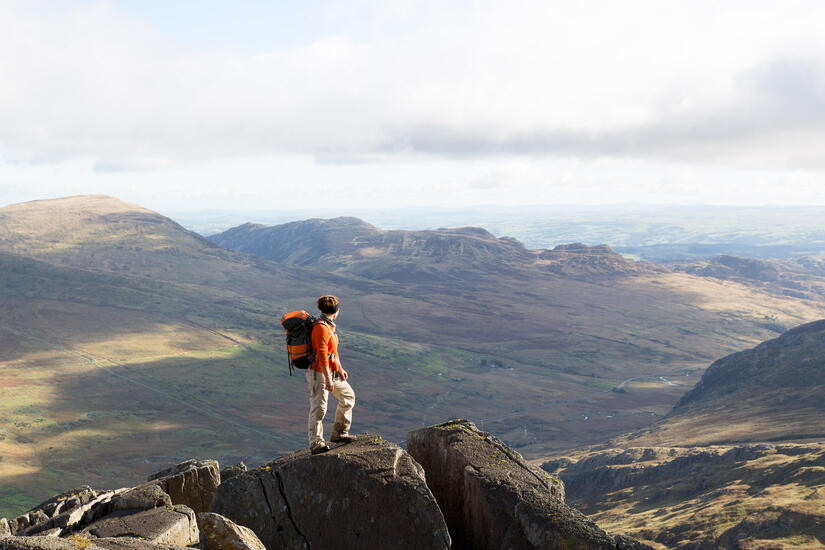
645 78
475 101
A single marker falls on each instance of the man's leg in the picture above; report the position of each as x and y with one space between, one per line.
343 412
317 408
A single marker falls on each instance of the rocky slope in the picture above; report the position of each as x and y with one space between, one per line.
683 484
772 392
727 497
365 494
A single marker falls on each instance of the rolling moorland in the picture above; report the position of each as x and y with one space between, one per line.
689 481
125 335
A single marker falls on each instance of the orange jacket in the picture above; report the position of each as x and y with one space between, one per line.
325 344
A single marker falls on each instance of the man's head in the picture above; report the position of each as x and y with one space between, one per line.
329 305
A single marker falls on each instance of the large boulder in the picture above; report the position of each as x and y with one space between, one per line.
176 525
365 494
191 483
220 533
492 499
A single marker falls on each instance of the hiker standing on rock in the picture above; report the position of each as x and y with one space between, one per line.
325 375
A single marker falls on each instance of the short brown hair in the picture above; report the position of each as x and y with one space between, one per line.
328 304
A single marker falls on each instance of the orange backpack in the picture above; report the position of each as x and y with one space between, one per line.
298 327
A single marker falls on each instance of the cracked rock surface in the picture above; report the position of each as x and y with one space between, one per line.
365 494
174 525
191 483
493 500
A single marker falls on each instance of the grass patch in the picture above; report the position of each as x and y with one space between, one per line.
14 501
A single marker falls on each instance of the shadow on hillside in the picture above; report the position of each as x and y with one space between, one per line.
113 427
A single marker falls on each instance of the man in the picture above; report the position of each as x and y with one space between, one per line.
326 375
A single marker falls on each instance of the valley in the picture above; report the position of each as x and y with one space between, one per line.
125 335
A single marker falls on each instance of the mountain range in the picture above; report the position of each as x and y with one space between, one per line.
122 332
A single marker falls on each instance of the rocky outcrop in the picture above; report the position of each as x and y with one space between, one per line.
74 518
141 498
492 499
369 494
366 494
232 471
748 493
144 515
220 533
58 504
174 525
609 470
191 483
77 542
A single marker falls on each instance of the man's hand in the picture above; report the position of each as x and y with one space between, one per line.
344 374
328 383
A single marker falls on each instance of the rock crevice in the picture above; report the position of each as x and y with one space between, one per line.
286 505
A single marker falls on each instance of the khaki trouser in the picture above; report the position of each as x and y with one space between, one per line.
318 397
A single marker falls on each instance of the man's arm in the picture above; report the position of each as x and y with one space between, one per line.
320 343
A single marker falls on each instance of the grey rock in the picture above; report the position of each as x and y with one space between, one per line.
76 517
191 483
36 517
141 498
232 471
177 525
52 507
220 533
365 494
624 542
492 499
79 542
19 523
131 543
5 530
36 543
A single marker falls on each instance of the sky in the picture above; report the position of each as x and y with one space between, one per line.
248 104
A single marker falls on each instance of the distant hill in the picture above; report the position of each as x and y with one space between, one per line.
802 277
651 232
350 245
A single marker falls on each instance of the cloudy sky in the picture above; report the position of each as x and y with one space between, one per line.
275 105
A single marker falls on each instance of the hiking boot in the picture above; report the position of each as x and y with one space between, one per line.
319 450
343 438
